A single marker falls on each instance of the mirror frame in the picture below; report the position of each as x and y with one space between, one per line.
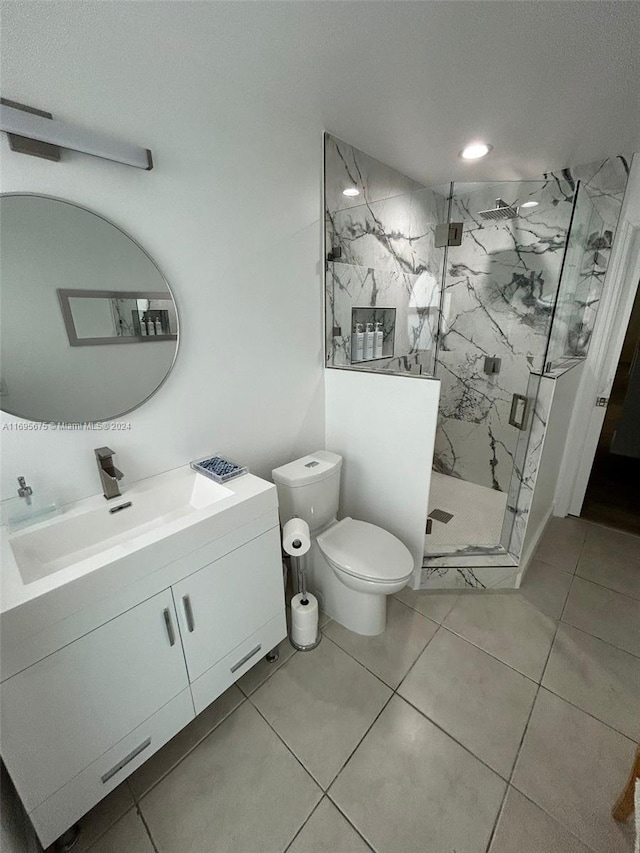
170 293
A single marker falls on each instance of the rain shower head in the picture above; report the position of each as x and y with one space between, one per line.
502 210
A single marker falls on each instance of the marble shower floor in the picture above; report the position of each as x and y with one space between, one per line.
478 513
480 723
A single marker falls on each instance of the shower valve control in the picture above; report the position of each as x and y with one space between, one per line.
492 365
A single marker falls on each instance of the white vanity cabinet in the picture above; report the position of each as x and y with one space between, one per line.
85 714
70 711
221 642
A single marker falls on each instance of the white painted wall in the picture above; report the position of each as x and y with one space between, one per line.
557 438
231 215
384 427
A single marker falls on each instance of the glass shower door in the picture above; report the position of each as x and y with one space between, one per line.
583 271
498 296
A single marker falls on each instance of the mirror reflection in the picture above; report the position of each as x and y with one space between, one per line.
72 285
103 317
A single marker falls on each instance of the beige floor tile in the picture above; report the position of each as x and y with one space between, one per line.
599 678
611 558
562 543
574 767
146 776
507 627
327 831
263 670
128 834
479 701
606 614
390 654
240 790
323 619
409 787
435 605
321 703
525 828
101 817
546 587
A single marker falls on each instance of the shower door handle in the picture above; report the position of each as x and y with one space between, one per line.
519 411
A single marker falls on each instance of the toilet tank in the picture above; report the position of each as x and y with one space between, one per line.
309 488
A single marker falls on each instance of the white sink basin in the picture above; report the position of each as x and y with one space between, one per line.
90 530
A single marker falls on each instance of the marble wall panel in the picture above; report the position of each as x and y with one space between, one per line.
386 237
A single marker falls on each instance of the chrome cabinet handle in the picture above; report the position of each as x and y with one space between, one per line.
124 761
188 612
519 411
169 626
246 658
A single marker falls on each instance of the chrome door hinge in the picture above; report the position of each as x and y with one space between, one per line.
602 402
448 234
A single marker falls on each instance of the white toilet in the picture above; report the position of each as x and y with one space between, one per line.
352 566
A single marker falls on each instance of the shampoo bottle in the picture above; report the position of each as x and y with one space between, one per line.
151 329
368 342
158 326
357 343
377 341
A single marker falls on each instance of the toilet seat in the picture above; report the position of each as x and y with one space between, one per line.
366 551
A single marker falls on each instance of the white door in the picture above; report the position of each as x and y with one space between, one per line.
65 711
227 601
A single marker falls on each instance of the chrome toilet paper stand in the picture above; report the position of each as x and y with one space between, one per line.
302 585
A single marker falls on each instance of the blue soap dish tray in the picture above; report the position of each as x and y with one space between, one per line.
218 468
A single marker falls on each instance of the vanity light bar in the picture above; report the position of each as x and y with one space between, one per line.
17 121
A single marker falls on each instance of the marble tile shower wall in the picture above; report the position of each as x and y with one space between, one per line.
388 258
500 286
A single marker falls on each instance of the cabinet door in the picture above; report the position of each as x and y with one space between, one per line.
227 601
65 711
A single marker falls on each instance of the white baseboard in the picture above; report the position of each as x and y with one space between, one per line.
527 555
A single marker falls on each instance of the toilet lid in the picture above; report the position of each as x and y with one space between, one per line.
366 551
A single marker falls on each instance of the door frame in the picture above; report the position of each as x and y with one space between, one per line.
604 353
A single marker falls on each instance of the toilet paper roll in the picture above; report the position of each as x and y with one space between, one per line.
304 620
296 539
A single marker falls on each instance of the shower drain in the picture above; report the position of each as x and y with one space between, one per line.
441 515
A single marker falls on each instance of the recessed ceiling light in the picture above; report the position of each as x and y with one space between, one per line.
475 150
351 191
529 204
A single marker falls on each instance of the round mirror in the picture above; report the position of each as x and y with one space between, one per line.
89 327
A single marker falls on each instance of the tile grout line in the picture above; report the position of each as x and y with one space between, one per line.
364 666
526 728
305 822
307 771
489 654
325 791
363 837
137 800
589 714
606 642
146 826
584 631
604 586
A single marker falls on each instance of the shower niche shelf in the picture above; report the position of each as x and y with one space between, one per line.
374 314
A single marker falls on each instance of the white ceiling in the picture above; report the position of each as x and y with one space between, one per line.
549 84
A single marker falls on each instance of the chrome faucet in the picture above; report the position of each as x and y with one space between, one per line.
109 474
24 491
